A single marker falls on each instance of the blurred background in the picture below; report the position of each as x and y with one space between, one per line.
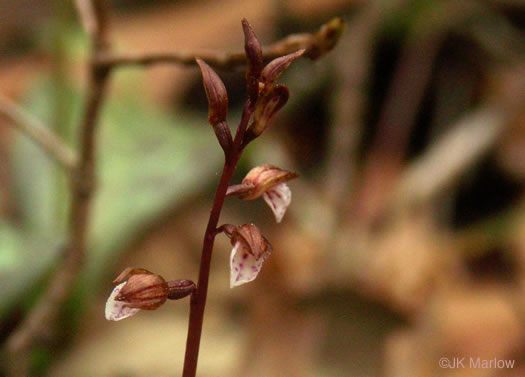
405 240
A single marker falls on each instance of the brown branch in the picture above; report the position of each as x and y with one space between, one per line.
316 44
43 315
348 100
41 135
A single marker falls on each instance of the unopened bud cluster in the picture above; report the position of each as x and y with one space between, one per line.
265 97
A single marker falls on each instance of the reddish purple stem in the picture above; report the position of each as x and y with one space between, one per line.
198 298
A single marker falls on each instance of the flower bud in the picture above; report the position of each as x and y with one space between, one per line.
250 250
273 70
215 92
217 104
269 182
253 50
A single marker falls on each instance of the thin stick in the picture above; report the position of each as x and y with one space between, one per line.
43 315
41 135
316 44
460 148
198 298
348 101
450 156
397 118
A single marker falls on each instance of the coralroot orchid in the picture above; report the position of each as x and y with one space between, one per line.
250 250
142 290
269 182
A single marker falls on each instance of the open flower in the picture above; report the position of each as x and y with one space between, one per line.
269 182
139 289
250 250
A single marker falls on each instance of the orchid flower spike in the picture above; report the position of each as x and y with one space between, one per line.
139 289
250 250
269 182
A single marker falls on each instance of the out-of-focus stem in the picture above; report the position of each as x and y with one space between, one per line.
43 136
43 315
316 44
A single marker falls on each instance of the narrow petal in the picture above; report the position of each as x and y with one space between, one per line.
117 310
243 266
278 198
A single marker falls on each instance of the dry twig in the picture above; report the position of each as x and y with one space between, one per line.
316 44
31 127
404 97
43 315
461 147
450 156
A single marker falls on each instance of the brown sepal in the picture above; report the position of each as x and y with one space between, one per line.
252 240
240 190
259 180
130 271
144 291
273 69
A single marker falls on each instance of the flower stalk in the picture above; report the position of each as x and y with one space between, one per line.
198 298
144 290
250 248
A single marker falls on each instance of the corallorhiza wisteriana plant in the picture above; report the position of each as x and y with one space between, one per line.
138 289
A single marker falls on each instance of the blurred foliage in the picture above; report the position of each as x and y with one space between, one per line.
148 161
